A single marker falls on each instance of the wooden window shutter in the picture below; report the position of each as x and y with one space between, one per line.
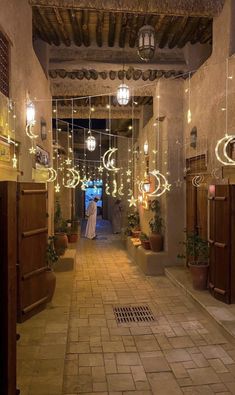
4 64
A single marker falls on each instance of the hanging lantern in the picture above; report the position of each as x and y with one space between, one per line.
146 42
146 147
91 143
30 113
123 94
146 186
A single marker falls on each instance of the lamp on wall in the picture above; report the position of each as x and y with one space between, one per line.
146 147
146 42
30 113
91 143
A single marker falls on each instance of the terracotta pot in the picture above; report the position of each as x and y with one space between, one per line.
156 242
73 237
51 283
136 233
199 275
60 243
146 244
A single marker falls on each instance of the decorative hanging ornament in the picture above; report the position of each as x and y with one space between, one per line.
162 184
114 188
146 147
120 190
14 161
91 143
109 164
30 120
197 180
223 156
57 188
146 42
132 201
52 174
123 94
107 189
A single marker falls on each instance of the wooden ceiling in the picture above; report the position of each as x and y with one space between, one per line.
87 28
102 101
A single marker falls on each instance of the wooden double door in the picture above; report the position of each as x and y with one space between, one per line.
222 242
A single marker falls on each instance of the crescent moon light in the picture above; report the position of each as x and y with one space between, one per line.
197 180
108 164
130 192
225 140
107 190
74 180
162 184
29 132
120 190
52 174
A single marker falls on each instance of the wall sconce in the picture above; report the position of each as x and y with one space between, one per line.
146 148
30 113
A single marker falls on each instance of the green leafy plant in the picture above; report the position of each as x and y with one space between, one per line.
59 222
52 256
73 225
156 224
196 248
133 222
144 237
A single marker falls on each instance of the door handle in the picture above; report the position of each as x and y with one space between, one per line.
220 245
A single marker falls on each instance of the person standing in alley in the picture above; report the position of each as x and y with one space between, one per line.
117 217
91 213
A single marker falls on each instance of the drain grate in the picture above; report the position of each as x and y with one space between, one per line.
126 314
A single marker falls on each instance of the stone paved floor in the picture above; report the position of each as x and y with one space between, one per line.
182 352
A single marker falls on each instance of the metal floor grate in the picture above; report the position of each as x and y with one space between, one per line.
127 314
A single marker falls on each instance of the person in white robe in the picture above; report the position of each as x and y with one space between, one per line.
91 213
117 217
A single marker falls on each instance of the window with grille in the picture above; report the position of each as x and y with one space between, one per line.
4 65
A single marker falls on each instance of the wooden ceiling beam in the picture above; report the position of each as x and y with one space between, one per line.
40 28
61 28
85 28
203 8
188 32
123 30
178 32
112 29
99 28
76 27
48 27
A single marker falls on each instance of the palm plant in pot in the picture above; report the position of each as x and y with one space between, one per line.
52 258
156 225
61 239
197 253
145 241
133 227
72 231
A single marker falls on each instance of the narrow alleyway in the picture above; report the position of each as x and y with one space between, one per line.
182 351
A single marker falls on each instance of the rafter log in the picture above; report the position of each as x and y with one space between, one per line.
48 26
178 32
125 23
204 8
164 25
121 75
94 74
129 73
169 32
76 27
60 23
205 27
85 28
112 29
62 73
40 28
53 74
103 75
152 76
146 74
112 74
137 74
87 74
99 28
188 31
80 74
133 31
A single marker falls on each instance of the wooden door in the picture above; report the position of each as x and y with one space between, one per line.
32 244
8 249
220 244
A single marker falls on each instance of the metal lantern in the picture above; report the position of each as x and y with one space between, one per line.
146 147
91 143
123 94
30 113
146 186
146 42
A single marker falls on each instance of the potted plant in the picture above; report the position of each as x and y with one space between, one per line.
156 226
197 253
52 258
72 231
145 241
133 227
61 239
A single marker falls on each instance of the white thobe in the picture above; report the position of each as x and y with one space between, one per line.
91 223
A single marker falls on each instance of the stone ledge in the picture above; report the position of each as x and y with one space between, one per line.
150 262
66 261
131 249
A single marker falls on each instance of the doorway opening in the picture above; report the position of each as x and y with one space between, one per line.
93 189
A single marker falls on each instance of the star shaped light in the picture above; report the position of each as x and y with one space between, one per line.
132 201
178 183
57 188
128 180
100 169
32 150
68 161
128 172
167 186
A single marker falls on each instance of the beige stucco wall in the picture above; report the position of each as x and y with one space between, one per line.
27 81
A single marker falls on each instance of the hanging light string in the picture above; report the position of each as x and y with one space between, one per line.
14 159
72 134
89 132
132 139
157 153
100 150
110 124
226 98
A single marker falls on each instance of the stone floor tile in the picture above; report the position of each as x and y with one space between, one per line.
231 387
128 359
164 383
200 360
113 346
155 364
217 388
179 370
202 376
98 374
78 347
91 360
198 390
181 342
120 382
177 355
77 384
213 351
218 365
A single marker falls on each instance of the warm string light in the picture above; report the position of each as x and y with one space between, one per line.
189 114
57 186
